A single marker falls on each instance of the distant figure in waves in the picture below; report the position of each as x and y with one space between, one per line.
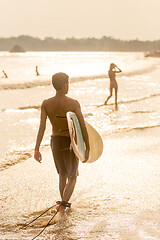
4 74
55 108
113 83
37 73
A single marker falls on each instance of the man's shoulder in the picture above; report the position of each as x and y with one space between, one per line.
75 101
47 101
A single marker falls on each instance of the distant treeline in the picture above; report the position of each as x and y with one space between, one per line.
29 43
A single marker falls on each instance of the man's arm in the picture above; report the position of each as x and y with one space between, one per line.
42 127
83 128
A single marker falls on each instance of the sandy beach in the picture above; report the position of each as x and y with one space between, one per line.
116 197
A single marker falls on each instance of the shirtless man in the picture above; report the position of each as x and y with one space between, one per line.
66 163
113 83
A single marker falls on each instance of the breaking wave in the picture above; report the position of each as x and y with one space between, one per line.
46 81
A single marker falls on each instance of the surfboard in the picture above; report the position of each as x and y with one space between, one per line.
77 141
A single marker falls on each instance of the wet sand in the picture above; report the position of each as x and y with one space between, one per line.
117 197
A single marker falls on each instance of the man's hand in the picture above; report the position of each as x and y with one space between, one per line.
37 156
86 155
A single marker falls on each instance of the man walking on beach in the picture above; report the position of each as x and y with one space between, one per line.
66 162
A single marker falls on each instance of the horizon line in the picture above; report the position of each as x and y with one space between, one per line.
79 38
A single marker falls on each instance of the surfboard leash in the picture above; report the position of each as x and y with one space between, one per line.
47 224
59 203
38 216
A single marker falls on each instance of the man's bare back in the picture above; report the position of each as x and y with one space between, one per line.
56 109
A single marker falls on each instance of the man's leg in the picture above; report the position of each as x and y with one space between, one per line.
66 190
69 189
62 184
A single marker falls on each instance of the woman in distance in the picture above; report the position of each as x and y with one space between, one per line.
113 83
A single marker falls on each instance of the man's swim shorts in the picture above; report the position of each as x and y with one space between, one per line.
65 160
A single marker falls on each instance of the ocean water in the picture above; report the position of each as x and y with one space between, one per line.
118 196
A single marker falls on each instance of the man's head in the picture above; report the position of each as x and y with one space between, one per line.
60 80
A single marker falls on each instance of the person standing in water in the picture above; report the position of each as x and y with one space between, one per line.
37 73
4 74
113 83
66 162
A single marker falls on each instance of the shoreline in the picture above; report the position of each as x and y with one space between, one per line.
12 158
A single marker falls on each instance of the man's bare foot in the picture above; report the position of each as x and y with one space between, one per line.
61 210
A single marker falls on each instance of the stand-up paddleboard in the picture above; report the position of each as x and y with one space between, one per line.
78 144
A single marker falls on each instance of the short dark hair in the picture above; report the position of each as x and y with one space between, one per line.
59 79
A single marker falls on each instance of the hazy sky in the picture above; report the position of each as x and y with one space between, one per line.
124 19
